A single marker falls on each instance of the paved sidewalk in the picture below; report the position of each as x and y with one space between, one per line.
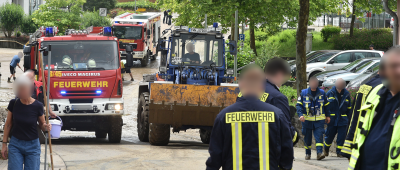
331 162
57 161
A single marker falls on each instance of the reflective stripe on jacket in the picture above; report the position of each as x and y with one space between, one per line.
365 121
338 110
312 108
250 134
359 100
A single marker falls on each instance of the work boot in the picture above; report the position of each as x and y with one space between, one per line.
132 79
340 155
326 151
308 157
123 79
320 156
9 80
14 78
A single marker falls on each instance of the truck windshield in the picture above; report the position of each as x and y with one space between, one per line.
196 49
83 55
128 32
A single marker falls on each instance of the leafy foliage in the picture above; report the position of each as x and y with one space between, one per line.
94 5
267 52
139 4
329 31
244 57
94 19
65 14
290 93
10 17
27 25
381 38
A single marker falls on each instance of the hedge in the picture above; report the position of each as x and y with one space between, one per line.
381 38
139 4
329 31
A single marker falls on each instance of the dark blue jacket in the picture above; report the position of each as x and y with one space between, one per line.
339 111
280 142
313 109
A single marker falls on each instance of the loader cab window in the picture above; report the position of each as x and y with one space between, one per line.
128 32
194 49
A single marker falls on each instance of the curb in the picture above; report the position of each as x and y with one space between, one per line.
58 162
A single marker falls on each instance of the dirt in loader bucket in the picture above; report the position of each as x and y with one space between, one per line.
185 104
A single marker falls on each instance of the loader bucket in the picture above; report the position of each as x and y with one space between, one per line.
185 104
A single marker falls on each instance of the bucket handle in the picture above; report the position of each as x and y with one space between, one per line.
60 120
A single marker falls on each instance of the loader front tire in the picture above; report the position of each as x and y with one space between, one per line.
144 60
143 117
205 136
159 134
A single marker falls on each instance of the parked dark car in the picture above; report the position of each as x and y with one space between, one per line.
348 68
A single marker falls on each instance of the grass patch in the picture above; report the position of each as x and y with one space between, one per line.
287 47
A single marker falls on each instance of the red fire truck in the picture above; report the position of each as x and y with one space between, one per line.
85 79
141 29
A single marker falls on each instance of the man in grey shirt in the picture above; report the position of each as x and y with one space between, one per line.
193 57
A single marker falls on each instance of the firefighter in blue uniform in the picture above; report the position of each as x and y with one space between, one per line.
311 110
360 98
250 134
339 109
277 72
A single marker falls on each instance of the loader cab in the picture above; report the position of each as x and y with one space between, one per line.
194 49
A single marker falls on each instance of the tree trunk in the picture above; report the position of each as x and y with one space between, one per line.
353 18
301 77
233 31
252 37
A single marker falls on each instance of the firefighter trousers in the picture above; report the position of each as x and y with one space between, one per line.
330 134
318 135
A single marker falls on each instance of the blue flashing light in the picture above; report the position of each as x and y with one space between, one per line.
63 92
98 91
49 32
117 22
140 22
215 25
107 31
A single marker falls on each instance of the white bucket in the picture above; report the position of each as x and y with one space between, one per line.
55 128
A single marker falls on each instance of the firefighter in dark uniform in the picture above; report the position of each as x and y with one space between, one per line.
355 114
277 72
339 109
311 108
377 143
250 134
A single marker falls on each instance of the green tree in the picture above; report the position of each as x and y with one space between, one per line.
27 25
94 5
10 17
64 14
94 19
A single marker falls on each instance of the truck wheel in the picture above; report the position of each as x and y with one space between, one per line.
159 134
144 60
143 117
42 138
115 132
100 134
153 57
205 136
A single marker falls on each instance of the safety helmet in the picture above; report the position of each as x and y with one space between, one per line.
91 63
67 61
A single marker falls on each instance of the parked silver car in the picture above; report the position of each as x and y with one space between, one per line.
339 60
370 66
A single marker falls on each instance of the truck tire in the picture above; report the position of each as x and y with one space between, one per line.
159 134
153 57
143 117
115 132
205 136
101 134
144 60
42 138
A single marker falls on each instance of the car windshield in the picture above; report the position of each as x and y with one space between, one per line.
362 68
354 65
128 32
196 49
321 58
83 55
